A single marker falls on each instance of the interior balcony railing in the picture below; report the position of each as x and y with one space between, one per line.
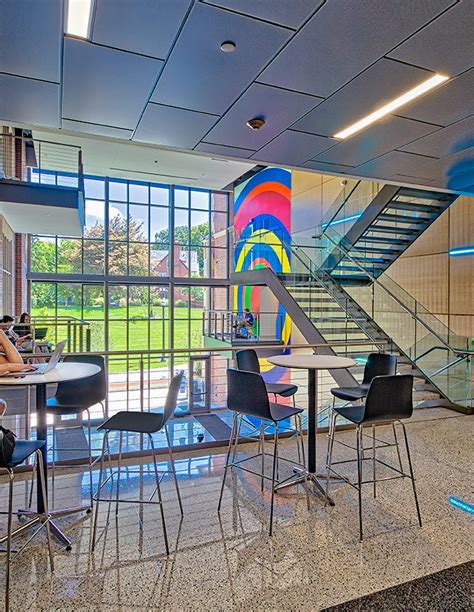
443 357
227 326
48 330
138 381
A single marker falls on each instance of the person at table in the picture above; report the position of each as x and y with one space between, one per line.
24 333
247 322
10 358
6 323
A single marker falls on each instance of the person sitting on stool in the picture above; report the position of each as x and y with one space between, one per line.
248 322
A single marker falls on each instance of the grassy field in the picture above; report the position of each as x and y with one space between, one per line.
137 333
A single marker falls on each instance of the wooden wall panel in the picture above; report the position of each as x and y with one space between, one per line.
461 217
463 325
461 270
433 240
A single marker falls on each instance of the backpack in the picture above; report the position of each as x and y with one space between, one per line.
7 446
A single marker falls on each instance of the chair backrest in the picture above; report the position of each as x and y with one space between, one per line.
247 360
84 392
379 364
172 396
247 394
389 398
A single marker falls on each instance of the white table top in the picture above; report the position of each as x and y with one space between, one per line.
61 373
312 362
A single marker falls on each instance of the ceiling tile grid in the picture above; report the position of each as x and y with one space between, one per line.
154 72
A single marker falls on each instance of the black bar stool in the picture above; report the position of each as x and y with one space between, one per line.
76 397
247 360
22 451
247 397
388 401
146 423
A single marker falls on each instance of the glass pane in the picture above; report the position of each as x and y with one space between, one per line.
181 261
200 199
94 219
138 192
94 188
181 302
181 197
138 223
117 258
117 302
93 302
69 256
67 180
117 342
199 227
97 332
159 260
43 254
198 262
219 263
94 258
118 190
137 335
160 195
43 299
219 201
47 178
69 299
196 301
218 223
117 221
138 302
138 259
159 230
181 226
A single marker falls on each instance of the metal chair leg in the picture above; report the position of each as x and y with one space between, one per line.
412 477
300 427
332 432
236 440
274 470
359 476
99 485
118 473
374 461
160 499
397 446
89 439
41 483
229 449
173 470
262 450
9 540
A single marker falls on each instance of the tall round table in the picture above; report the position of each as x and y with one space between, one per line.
61 373
312 363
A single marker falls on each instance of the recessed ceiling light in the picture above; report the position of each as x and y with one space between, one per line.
256 123
408 96
228 46
78 19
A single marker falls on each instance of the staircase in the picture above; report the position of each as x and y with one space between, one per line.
377 235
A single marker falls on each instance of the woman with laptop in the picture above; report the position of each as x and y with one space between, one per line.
10 358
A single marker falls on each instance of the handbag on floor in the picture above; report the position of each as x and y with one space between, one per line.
7 446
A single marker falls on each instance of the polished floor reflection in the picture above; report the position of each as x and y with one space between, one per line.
313 561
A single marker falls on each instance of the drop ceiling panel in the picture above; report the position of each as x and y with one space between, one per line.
199 76
392 163
339 168
343 38
29 101
453 31
373 88
208 147
148 27
452 171
447 104
290 13
174 127
106 86
456 137
31 39
389 134
293 148
278 107
93 128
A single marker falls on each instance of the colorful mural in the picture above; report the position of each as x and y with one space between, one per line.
262 224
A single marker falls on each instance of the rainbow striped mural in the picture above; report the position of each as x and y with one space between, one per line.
262 224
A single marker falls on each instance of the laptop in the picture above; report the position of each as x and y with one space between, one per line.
40 333
44 368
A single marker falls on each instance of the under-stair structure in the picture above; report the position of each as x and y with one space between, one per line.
374 236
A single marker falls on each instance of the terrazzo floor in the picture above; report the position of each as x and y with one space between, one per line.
227 562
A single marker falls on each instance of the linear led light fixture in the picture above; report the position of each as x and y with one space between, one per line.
79 17
344 220
462 251
408 96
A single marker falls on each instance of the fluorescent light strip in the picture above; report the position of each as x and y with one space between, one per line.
410 95
344 220
462 505
79 18
462 251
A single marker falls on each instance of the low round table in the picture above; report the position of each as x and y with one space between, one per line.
311 363
61 373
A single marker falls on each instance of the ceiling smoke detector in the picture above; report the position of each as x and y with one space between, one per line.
256 123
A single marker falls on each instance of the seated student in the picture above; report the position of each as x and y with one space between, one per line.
247 323
24 333
6 323
10 358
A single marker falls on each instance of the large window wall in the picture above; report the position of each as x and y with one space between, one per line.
151 258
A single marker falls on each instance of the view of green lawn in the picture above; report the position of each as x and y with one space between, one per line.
143 329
